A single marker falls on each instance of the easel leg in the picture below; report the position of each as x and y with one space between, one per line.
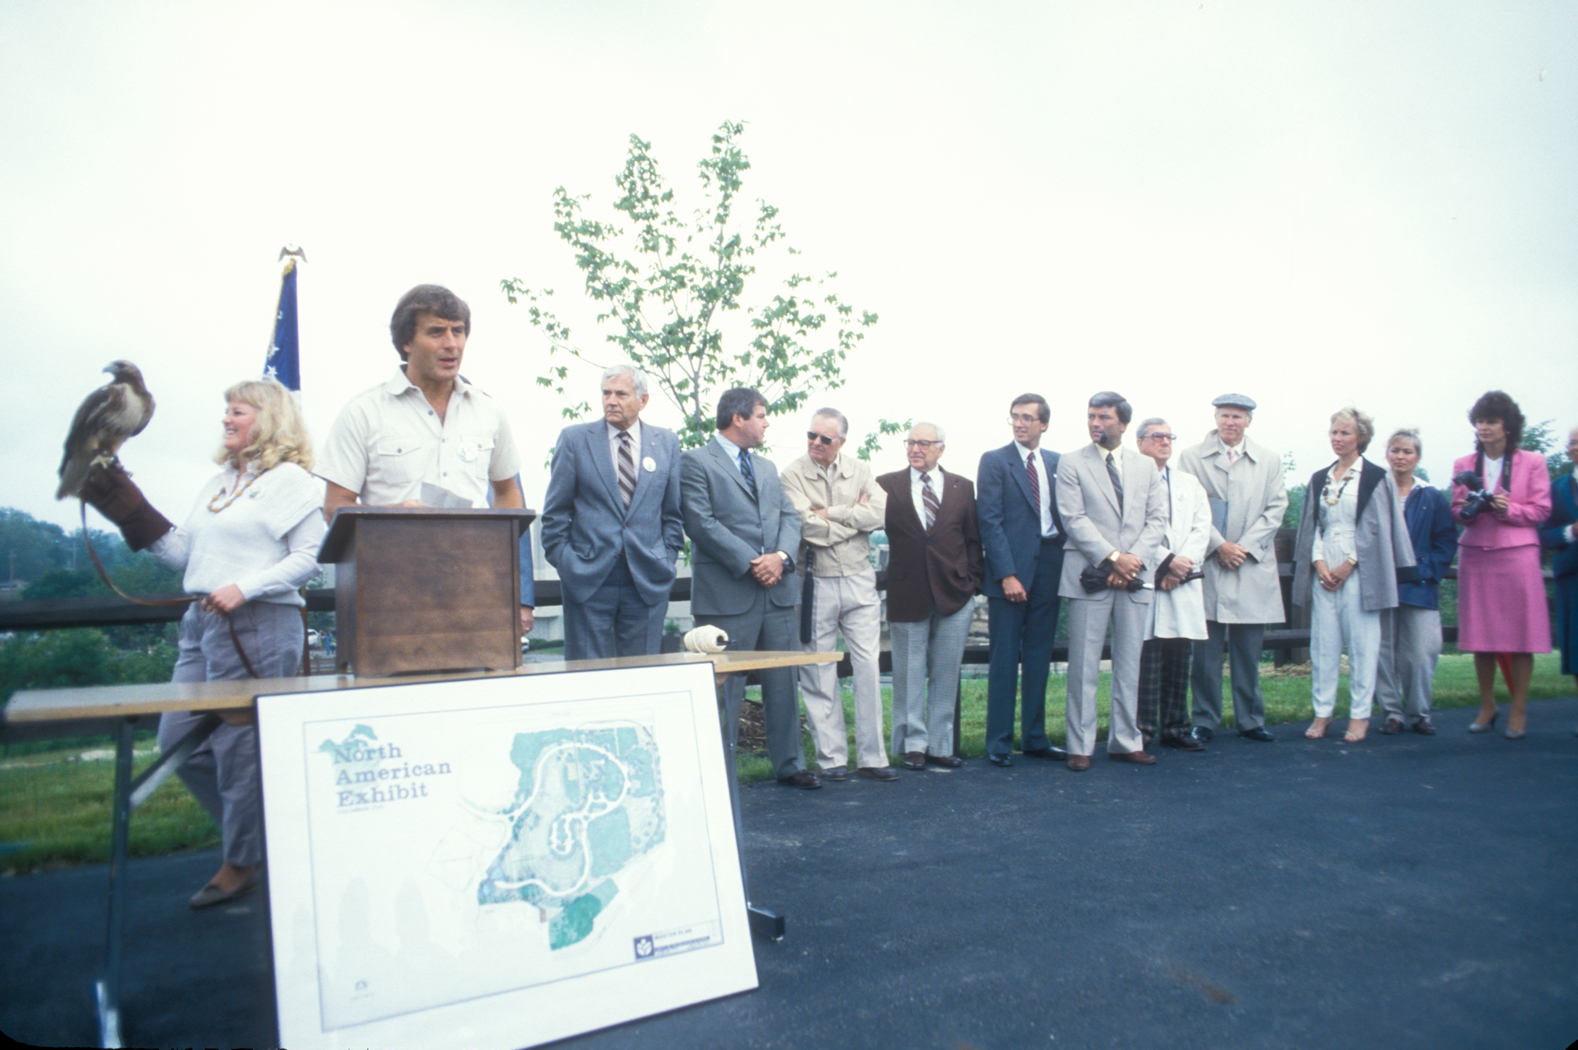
763 922
108 988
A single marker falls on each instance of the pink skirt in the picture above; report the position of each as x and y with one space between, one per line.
1501 601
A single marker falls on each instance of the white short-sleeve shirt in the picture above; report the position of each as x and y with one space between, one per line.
388 440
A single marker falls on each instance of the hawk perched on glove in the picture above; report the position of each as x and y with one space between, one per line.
107 417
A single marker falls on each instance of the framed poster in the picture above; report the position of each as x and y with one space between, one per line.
499 862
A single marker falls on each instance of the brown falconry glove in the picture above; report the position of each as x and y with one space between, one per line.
111 491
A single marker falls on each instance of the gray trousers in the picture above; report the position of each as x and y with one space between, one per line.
1410 647
926 659
772 628
1242 641
614 621
222 773
1088 619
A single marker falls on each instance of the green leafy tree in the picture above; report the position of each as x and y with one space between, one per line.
77 657
673 293
1543 438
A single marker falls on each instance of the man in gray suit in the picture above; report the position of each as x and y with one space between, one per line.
742 528
1242 590
611 524
1114 509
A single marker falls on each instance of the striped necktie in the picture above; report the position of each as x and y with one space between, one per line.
1117 482
929 499
627 468
749 473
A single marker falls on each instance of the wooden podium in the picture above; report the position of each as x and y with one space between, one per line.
423 589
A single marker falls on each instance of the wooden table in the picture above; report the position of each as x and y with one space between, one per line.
117 709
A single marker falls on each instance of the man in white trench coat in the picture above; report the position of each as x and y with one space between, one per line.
1178 612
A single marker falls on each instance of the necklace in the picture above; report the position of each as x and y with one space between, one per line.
214 506
1326 492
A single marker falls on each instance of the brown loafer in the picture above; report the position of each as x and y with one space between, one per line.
211 894
1079 763
878 772
945 761
914 760
1139 758
802 779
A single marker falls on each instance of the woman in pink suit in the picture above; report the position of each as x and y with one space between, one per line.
1500 592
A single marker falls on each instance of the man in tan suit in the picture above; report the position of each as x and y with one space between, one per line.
1243 481
1114 509
840 506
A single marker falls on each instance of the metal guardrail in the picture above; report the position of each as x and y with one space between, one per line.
110 611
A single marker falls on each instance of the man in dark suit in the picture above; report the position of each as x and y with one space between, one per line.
1016 505
934 570
611 524
742 529
1115 507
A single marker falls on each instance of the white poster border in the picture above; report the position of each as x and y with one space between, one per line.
678 965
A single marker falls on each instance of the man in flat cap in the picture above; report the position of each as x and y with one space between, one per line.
1243 482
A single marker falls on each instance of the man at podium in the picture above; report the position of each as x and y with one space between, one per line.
425 437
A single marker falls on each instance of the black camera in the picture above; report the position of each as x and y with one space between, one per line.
1478 498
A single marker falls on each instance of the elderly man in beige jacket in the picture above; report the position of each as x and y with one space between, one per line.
1244 483
840 505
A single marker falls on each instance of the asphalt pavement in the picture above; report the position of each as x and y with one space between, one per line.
1404 892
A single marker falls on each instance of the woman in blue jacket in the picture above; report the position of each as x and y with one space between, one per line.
1411 633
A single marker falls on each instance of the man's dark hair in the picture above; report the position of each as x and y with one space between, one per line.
425 298
1043 410
1494 404
740 401
1109 399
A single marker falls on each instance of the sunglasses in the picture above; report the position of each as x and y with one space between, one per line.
823 438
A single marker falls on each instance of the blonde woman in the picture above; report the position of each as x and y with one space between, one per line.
250 542
1351 552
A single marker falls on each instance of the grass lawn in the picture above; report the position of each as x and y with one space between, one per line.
55 804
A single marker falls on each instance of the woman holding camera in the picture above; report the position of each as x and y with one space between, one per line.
1352 551
1501 495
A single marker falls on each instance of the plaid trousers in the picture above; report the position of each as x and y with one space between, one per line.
1164 685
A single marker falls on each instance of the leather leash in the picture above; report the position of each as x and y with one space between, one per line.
235 639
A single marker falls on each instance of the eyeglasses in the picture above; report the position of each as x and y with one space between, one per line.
922 445
1159 436
811 435
1019 417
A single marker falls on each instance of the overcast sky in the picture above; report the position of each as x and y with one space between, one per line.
1309 203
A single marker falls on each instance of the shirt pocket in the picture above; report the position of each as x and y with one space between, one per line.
400 461
475 452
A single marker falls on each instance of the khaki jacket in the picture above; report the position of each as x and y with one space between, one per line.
840 542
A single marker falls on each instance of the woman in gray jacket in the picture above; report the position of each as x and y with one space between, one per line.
1352 549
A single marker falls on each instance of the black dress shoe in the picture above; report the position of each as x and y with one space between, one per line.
1182 741
802 779
835 773
1258 733
1202 734
914 760
1048 754
945 761
1393 725
1000 760
878 772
